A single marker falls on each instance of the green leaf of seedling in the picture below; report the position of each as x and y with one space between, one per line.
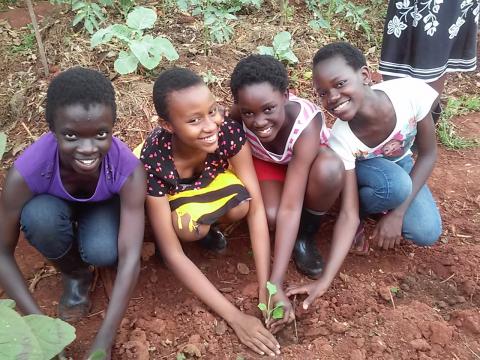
126 63
180 356
289 56
271 288
141 18
97 355
262 307
16 338
163 47
394 290
79 17
266 50
281 41
52 334
8 303
3 145
143 51
277 313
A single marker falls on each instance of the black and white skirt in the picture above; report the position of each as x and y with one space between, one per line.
425 39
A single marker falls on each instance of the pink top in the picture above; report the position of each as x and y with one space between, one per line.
308 111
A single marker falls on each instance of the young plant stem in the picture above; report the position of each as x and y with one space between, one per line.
41 49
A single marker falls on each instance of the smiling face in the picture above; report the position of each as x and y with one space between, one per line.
194 119
340 87
262 109
84 136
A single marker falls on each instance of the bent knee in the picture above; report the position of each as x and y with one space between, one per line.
271 218
425 235
327 170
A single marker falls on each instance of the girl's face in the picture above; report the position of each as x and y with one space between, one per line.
340 88
84 136
262 109
194 118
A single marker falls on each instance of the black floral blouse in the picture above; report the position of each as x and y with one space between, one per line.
162 176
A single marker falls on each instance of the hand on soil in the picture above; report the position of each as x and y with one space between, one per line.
313 290
253 334
288 312
388 231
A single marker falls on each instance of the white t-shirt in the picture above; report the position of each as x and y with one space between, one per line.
412 100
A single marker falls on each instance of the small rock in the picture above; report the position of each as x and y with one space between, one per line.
148 250
221 328
339 328
377 345
420 345
360 342
250 290
404 286
192 350
469 287
345 278
153 278
226 290
442 304
317 331
243 269
384 293
441 333
357 355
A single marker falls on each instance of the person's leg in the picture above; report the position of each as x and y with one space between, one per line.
48 224
98 228
422 223
382 185
325 182
271 194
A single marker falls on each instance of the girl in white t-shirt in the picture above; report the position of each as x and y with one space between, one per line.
374 131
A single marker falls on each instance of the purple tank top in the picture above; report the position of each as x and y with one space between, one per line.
39 167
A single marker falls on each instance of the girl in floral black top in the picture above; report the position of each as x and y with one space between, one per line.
190 187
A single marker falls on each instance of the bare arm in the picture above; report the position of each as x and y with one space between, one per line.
291 203
249 330
256 218
343 233
130 238
14 196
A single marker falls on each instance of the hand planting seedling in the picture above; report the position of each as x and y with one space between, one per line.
271 313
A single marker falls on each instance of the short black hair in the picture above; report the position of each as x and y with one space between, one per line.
353 56
79 85
256 69
171 80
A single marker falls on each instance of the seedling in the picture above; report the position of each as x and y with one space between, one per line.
142 49
32 336
271 313
281 48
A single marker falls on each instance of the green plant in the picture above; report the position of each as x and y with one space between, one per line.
143 49
97 355
275 312
88 12
217 16
31 337
281 49
325 10
3 144
27 43
210 79
446 129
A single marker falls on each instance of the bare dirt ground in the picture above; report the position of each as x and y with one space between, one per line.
433 312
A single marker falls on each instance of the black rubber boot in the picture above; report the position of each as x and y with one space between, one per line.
77 278
305 253
214 241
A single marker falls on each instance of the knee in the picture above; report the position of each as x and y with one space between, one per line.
327 171
100 255
425 234
271 213
401 188
47 225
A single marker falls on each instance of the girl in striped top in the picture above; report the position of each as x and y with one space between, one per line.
300 177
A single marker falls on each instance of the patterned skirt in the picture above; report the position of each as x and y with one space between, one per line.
208 204
425 39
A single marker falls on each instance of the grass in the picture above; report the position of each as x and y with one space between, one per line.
446 129
27 44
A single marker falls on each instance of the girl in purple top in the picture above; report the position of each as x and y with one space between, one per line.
77 193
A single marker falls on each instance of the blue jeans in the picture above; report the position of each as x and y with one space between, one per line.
384 185
53 225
